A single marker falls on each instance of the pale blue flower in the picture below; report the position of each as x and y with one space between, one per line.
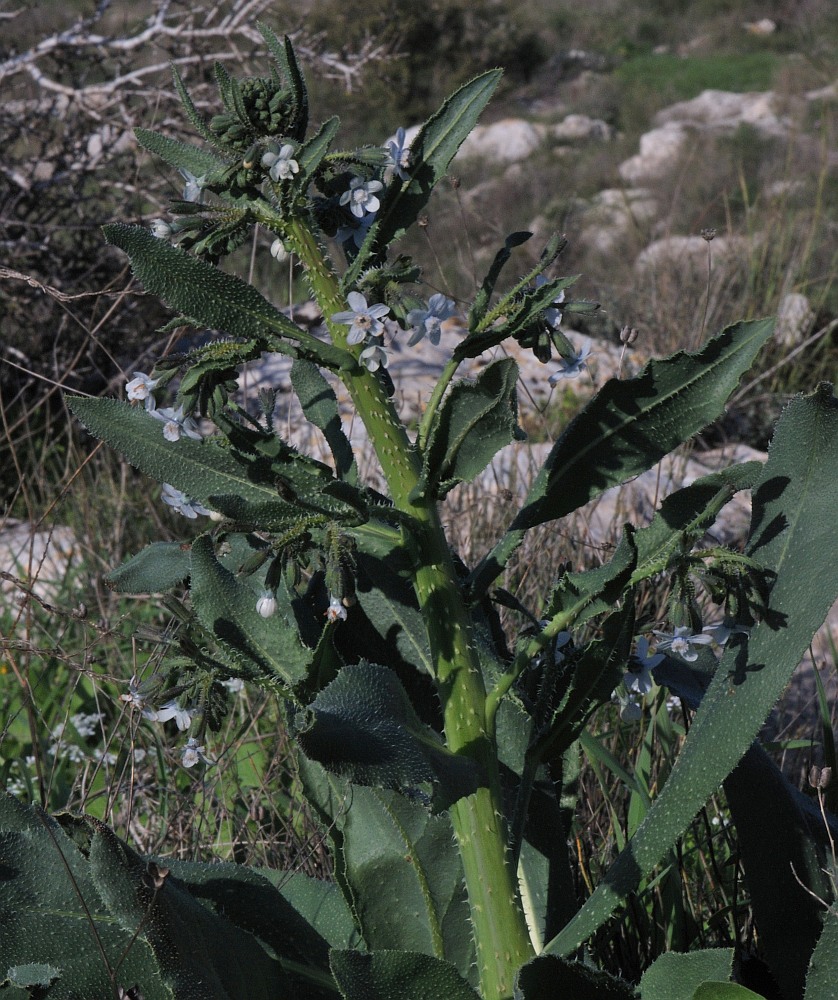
681 642
363 320
357 234
398 156
175 423
639 678
630 710
553 315
194 752
181 502
194 185
373 357
283 165
572 367
361 197
139 389
720 632
428 322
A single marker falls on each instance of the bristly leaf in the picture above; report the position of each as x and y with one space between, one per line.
215 298
181 155
484 293
293 77
628 426
387 975
195 119
310 155
155 569
475 421
320 406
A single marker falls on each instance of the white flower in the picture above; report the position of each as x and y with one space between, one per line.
373 357
681 642
171 710
398 156
278 251
86 725
266 605
573 366
139 390
162 230
336 610
428 322
363 320
639 678
181 502
282 165
361 197
175 423
194 752
235 685
194 185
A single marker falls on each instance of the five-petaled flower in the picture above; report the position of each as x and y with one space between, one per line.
398 156
428 322
175 423
681 641
282 165
139 390
194 752
361 197
573 366
266 605
335 611
363 320
181 502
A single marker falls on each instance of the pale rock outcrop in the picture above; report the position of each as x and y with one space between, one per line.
614 214
689 254
725 111
795 318
660 150
506 141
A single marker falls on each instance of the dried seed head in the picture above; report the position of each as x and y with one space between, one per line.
708 234
628 335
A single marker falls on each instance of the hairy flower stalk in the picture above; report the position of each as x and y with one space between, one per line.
501 935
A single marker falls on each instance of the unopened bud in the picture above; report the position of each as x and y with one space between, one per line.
819 777
628 335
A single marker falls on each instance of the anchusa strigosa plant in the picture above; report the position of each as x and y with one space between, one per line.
433 745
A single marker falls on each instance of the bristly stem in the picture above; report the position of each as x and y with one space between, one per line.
500 930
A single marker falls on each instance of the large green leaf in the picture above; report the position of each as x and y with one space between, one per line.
551 976
155 569
199 162
628 426
214 298
320 406
822 981
363 727
794 537
226 607
475 421
398 975
675 976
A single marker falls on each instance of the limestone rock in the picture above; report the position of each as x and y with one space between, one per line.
794 320
506 141
614 214
725 111
581 128
660 151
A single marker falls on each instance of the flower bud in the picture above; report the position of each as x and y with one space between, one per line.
266 605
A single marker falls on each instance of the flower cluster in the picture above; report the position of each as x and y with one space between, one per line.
428 322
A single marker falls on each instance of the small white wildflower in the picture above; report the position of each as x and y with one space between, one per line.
572 367
336 611
175 423
361 197
278 251
181 503
193 189
106 757
139 390
363 320
86 725
194 752
235 685
639 678
681 642
428 322
266 605
282 165
162 230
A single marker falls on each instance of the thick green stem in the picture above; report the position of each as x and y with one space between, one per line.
500 930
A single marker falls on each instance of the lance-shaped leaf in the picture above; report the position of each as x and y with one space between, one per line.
226 607
398 975
181 155
484 293
823 969
794 537
627 427
214 298
310 155
431 152
475 421
283 52
155 569
676 976
200 469
363 727
320 406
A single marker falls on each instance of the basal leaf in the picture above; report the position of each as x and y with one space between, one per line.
675 976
